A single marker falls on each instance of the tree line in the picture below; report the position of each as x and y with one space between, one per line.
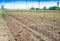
45 8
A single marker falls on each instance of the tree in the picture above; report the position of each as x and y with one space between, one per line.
2 7
37 8
44 8
32 8
53 8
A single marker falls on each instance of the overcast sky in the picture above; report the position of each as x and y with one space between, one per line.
21 4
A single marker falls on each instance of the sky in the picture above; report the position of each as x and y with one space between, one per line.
21 4
27 0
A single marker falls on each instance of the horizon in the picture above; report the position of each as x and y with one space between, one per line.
21 4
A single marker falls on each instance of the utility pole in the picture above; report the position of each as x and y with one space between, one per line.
58 4
38 3
26 4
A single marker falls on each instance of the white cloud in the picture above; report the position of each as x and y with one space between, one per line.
22 5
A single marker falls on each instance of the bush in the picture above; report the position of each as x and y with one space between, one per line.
37 8
53 8
58 32
32 8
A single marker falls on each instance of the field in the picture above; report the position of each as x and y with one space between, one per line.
0 13
5 34
33 25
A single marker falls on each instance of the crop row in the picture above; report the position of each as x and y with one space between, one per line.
19 32
51 35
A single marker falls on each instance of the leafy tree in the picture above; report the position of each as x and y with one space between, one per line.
37 8
2 7
32 8
44 8
53 8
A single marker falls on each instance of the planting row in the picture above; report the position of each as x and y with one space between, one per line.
52 36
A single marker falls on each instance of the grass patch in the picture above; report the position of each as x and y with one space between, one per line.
0 14
39 37
50 15
58 32
16 12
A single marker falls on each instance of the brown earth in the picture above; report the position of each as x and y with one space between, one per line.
5 34
45 26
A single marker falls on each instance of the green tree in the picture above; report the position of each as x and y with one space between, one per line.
44 8
2 7
32 8
53 8
37 8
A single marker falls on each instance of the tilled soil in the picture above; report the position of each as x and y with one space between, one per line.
41 28
48 28
5 34
19 33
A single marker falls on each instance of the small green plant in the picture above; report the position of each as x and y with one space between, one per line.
8 40
42 40
38 36
58 32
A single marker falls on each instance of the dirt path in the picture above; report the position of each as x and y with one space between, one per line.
4 32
